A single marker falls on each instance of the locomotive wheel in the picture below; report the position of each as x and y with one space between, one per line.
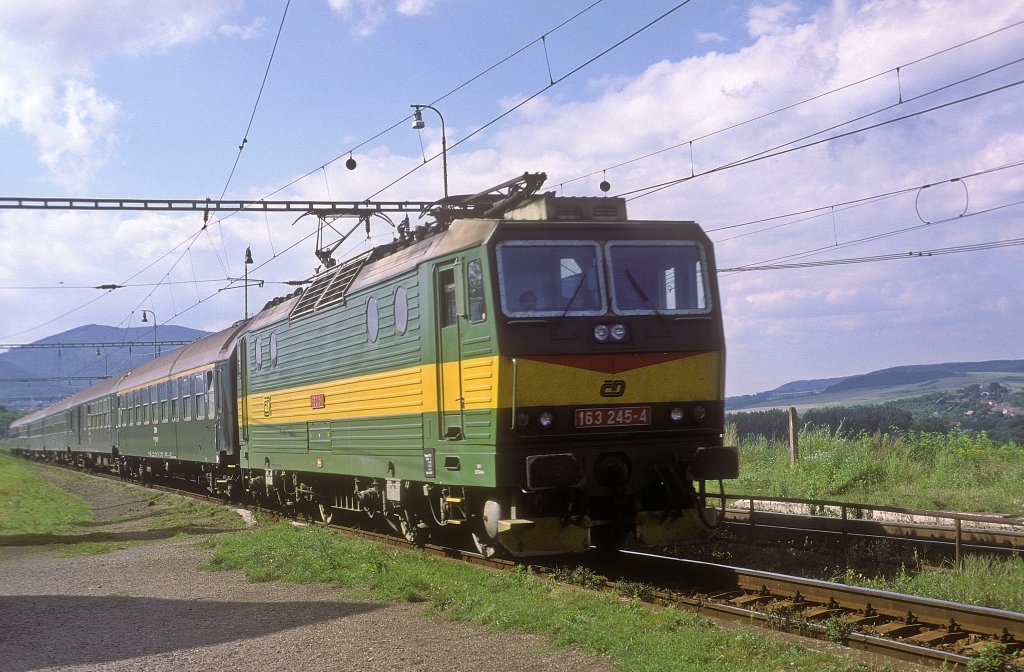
608 538
410 529
484 545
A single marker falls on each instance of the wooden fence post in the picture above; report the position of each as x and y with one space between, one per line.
794 449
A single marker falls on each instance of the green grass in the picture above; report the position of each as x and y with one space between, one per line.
954 471
631 635
985 581
35 512
29 504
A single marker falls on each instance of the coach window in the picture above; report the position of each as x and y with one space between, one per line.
401 310
200 391
372 320
172 395
211 406
165 402
186 398
475 278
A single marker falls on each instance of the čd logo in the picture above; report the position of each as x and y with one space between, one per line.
613 388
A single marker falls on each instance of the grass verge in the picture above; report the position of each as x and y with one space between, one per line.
29 504
35 512
619 627
983 580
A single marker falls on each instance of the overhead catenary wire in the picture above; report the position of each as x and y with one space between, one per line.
785 149
799 103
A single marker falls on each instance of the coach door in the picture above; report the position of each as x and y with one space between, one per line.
448 288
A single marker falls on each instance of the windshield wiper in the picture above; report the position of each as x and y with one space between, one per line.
643 295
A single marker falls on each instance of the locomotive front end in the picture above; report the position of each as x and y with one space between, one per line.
613 381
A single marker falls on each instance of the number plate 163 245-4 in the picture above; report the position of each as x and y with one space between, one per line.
622 416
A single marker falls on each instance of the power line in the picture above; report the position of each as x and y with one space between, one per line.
768 154
803 102
112 345
245 136
879 236
959 249
845 205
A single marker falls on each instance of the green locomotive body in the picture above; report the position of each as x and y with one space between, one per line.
411 384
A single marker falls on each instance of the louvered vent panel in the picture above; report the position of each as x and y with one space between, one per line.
307 303
335 292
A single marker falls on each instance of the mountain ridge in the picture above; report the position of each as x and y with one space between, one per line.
78 367
882 385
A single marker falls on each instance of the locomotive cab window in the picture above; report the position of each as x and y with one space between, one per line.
658 277
550 278
475 280
446 299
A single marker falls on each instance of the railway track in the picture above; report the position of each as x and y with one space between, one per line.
892 625
948 533
907 627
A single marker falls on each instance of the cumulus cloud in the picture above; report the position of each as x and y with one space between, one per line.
367 16
49 48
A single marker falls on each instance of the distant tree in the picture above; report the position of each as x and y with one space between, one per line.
971 391
772 424
857 419
997 391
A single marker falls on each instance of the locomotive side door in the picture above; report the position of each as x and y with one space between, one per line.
450 305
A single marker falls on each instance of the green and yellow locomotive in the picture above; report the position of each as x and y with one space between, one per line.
540 373
547 376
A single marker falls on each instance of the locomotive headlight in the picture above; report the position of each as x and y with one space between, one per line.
601 333
546 420
677 414
619 333
699 413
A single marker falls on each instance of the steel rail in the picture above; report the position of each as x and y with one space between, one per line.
906 626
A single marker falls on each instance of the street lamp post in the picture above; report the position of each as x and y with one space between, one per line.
156 346
417 123
248 262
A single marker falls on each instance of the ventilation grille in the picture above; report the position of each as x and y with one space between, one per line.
329 288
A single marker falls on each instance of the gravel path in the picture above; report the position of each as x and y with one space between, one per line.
149 608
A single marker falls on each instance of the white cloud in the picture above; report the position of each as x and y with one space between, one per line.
49 48
367 16
254 29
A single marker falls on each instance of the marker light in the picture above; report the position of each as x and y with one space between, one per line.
546 420
699 413
677 414
619 333
601 333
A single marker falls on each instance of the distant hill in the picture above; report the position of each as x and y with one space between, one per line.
883 385
87 365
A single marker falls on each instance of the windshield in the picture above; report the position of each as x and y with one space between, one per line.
545 278
657 277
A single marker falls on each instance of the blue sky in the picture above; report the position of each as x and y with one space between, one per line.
138 99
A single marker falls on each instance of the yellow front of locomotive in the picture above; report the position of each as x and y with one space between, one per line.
612 385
